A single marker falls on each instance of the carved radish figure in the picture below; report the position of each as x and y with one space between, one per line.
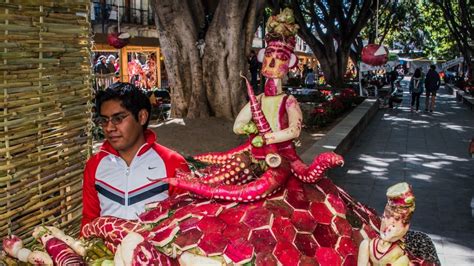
257 203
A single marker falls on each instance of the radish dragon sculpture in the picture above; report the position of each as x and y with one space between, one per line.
257 203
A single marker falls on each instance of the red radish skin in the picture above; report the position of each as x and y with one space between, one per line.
269 182
60 252
12 245
318 168
222 157
111 229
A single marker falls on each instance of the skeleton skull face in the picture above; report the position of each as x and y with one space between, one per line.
275 62
277 59
393 227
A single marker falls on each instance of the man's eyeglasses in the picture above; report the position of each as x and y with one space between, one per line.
115 119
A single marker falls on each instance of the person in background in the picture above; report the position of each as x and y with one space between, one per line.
254 67
125 174
392 77
305 70
310 79
416 89
396 96
101 66
111 63
432 83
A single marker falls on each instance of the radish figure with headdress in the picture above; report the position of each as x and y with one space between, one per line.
257 203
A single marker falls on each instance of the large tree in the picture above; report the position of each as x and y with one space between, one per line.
330 27
204 43
459 16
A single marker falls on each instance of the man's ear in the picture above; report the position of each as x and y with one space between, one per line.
143 116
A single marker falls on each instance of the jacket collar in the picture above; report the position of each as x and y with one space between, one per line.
150 139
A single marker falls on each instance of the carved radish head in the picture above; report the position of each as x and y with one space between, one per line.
277 58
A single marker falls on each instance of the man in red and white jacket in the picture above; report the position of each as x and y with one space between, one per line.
124 175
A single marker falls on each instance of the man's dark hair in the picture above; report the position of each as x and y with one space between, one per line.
131 98
433 67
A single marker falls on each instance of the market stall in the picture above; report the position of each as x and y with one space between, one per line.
141 65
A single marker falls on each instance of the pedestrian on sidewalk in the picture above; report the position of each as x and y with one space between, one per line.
432 83
254 67
416 89
310 79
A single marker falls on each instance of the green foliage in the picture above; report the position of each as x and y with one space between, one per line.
423 26
439 43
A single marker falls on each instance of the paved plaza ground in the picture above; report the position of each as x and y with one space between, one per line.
429 151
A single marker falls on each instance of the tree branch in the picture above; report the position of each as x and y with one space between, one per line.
366 11
305 32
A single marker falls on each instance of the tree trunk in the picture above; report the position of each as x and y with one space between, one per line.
330 29
334 67
204 58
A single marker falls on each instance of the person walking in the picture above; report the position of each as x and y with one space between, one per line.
432 83
392 76
416 89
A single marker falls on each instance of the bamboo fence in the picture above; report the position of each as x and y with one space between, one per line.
45 113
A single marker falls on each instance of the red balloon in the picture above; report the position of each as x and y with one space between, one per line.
118 40
374 54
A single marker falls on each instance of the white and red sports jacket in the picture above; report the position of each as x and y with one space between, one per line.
111 188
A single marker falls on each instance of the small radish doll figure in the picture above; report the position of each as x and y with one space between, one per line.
388 248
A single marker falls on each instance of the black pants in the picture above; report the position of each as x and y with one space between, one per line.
254 81
415 99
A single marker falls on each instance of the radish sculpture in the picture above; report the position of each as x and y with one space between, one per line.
60 252
13 246
257 203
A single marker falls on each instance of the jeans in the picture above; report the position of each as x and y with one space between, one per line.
415 100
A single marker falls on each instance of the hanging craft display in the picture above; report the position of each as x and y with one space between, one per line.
118 39
374 54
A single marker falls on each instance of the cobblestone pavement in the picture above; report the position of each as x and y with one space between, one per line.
430 152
